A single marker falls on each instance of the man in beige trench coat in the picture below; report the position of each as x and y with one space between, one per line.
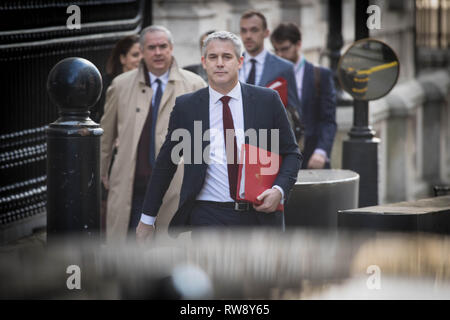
129 117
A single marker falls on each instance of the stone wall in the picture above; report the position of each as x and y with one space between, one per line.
413 124
412 121
188 19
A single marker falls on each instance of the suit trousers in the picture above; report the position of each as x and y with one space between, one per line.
216 216
136 209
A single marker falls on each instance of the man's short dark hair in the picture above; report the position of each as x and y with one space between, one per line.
204 36
286 31
251 13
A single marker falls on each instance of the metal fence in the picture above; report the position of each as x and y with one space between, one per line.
432 34
33 38
433 23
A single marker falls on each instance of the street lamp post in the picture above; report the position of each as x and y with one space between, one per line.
335 42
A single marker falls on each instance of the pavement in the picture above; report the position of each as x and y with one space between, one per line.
37 239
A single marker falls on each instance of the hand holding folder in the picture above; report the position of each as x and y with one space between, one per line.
258 170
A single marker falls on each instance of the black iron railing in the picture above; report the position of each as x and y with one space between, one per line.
33 38
432 34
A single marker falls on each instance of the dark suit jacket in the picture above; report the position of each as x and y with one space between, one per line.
275 67
263 109
319 113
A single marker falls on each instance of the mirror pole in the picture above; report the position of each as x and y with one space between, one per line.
360 151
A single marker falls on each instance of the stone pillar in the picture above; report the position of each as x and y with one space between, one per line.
435 127
403 178
291 10
187 20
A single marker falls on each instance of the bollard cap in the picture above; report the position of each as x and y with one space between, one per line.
74 85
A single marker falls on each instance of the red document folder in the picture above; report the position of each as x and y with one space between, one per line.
258 169
280 85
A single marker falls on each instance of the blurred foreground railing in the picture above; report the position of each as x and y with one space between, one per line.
244 264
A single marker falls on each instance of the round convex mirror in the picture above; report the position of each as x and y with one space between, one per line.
368 70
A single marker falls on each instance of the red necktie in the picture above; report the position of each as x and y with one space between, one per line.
232 161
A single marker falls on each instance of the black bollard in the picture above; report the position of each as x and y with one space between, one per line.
73 151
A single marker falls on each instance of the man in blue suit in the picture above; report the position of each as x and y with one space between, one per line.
208 192
260 67
317 95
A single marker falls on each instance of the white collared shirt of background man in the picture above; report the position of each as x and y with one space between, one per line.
247 66
164 80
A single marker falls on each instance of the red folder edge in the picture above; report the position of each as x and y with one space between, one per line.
246 148
281 88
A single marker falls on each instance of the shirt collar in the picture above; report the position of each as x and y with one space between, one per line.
164 78
215 96
259 58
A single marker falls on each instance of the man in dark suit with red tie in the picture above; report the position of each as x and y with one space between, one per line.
208 192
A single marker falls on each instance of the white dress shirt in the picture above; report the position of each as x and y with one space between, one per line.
216 186
259 65
164 79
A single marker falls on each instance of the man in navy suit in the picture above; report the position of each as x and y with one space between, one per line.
260 67
317 95
208 192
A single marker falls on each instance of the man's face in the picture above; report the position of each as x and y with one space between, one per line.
287 50
157 52
253 34
221 64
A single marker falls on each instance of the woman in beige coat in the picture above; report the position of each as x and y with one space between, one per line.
126 109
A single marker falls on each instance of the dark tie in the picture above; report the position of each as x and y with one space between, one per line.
154 111
232 161
252 74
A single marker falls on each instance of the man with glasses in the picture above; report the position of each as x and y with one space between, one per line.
315 88
137 111
262 68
